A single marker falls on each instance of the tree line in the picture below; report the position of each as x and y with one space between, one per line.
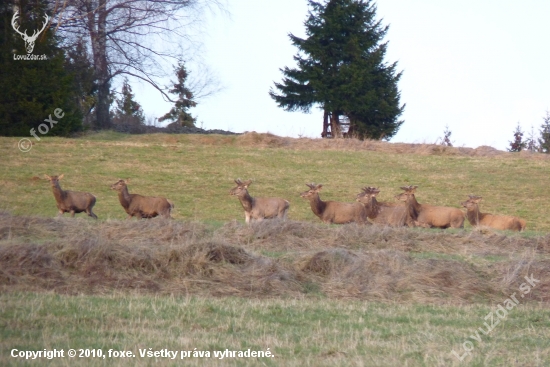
84 47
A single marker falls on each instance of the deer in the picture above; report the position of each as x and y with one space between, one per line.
383 213
503 222
429 216
29 40
71 201
334 212
140 206
258 209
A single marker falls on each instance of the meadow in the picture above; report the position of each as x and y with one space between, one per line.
315 295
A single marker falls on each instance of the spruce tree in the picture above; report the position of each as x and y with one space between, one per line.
33 89
128 111
179 113
517 145
341 69
544 140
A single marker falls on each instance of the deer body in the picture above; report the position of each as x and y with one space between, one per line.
140 206
391 214
502 222
71 201
424 215
333 211
259 208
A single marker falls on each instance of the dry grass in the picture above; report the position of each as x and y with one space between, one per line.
269 259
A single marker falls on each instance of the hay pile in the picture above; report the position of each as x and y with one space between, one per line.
269 259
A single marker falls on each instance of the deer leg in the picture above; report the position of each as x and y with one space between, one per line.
247 217
72 213
60 213
91 214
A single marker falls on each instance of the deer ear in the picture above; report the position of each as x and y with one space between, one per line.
47 177
61 176
319 187
247 183
127 181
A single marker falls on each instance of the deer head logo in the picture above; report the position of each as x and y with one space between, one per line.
29 40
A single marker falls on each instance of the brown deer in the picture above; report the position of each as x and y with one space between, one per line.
258 208
424 215
390 214
503 222
332 211
71 201
141 206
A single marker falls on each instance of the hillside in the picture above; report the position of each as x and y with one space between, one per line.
196 172
312 294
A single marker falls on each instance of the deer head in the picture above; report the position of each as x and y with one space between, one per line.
54 180
409 190
313 189
366 194
120 185
241 189
29 40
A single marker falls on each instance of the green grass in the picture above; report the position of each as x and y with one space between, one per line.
197 172
306 332
318 319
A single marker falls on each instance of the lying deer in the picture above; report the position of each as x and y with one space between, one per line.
391 214
476 218
333 211
141 206
258 208
423 215
71 201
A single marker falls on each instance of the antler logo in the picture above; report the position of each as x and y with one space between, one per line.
29 40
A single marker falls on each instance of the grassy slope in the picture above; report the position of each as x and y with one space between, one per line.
196 173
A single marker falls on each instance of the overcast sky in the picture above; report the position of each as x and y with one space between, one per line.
479 67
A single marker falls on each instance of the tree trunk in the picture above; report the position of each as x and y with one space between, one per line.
99 49
324 134
335 125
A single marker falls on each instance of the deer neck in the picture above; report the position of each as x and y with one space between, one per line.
247 201
373 208
124 197
473 216
413 207
318 206
58 193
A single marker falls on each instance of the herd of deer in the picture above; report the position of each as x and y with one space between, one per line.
365 210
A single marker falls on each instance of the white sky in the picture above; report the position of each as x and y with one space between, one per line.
479 67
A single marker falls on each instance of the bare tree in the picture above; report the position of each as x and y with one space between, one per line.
130 37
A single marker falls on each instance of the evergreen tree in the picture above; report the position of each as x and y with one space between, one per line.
78 64
33 89
544 140
128 111
517 145
341 69
179 113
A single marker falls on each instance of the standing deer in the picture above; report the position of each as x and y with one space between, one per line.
333 211
424 215
71 201
258 208
391 214
141 206
503 222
